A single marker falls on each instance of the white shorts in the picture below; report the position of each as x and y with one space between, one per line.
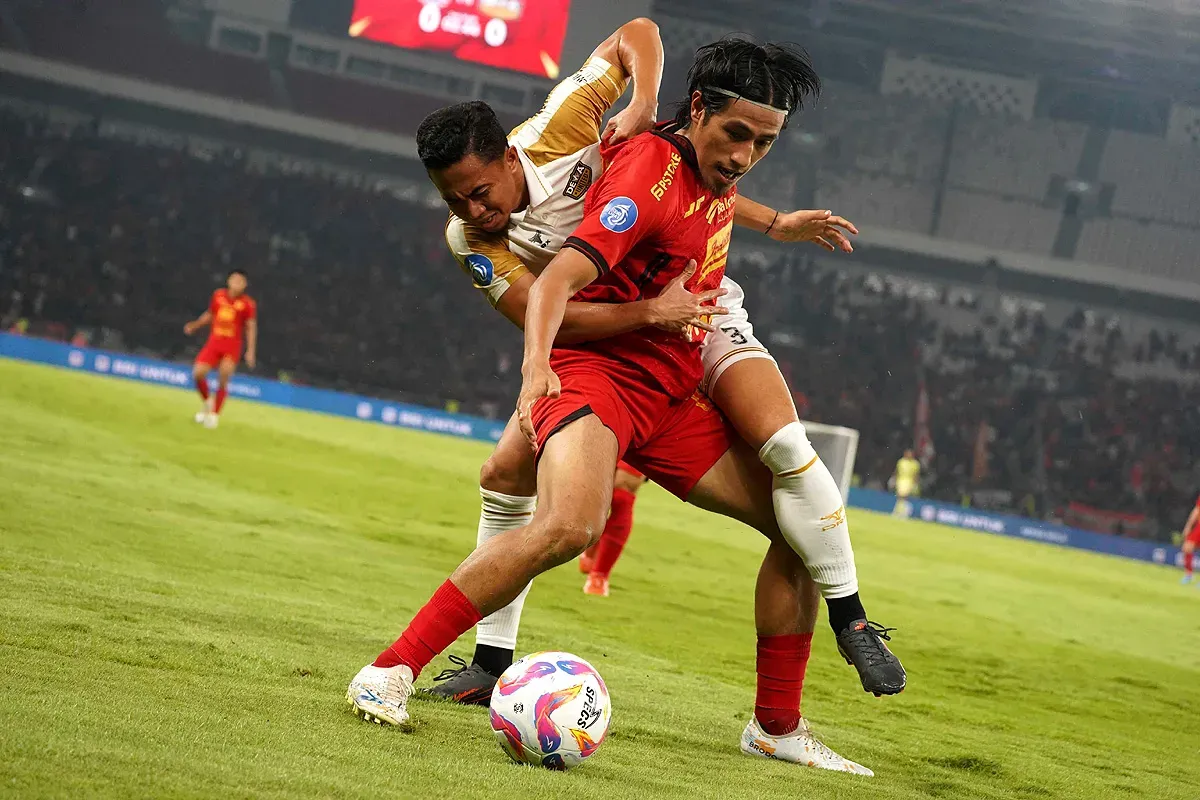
733 340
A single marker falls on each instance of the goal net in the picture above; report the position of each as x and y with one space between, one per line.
837 447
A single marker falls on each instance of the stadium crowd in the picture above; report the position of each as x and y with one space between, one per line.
118 244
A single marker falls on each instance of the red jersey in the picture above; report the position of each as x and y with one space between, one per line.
647 216
229 316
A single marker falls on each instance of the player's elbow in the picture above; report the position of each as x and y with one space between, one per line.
641 25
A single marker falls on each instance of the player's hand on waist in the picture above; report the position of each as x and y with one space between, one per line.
820 227
679 310
537 381
634 119
251 359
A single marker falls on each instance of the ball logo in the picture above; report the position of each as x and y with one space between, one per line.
102 364
619 215
481 269
363 411
75 358
389 415
928 513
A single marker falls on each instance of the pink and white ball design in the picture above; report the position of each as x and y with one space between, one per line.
550 710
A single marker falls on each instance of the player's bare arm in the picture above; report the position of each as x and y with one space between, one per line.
675 310
198 323
636 48
565 275
823 228
252 343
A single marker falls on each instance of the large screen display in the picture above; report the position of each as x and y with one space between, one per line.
524 35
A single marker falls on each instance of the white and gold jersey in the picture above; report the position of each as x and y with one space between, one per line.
559 149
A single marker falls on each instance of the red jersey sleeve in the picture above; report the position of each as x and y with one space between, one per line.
251 310
212 302
623 208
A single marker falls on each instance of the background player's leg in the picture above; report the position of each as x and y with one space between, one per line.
507 487
575 485
200 372
616 531
807 502
224 374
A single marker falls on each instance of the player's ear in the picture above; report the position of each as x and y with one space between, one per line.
697 108
510 156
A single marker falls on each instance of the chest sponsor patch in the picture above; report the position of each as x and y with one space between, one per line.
578 183
481 269
619 215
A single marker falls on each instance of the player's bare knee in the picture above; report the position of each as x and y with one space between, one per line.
567 538
500 473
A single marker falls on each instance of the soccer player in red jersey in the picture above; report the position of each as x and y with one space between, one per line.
1191 538
635 395
598 562
233 315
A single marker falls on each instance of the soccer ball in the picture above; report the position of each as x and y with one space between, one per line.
550 710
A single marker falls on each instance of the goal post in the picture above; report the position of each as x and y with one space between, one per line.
837 446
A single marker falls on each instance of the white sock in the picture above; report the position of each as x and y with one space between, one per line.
501 513
809 510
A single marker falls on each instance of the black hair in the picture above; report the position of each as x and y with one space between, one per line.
238 271
778 74
450 134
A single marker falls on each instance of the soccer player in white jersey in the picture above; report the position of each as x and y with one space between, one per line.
514 201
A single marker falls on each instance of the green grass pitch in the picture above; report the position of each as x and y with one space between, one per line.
181 609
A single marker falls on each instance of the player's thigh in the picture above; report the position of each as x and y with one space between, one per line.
754 398
628 479
574 483
201 367
1189 545
510 469
226 368
738 486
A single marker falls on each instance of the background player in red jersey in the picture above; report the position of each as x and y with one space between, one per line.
233 315
1191 538
598 562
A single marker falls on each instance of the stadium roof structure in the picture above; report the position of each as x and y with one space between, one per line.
1152 43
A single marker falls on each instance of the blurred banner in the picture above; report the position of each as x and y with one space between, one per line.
371 409
368 409
1019 527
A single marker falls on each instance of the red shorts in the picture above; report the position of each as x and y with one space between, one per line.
215 350
674 442
1193 535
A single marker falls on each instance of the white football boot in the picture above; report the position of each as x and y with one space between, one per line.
799 747
211 420
203 414
380 694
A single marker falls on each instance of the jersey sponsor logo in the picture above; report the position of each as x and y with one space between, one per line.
619 215
481 269
720 205
716 253
538 239
668 177
578 183
694 207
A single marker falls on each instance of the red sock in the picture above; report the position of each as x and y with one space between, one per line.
782 661
616 532
220 401
1187 562
202 388
446 616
